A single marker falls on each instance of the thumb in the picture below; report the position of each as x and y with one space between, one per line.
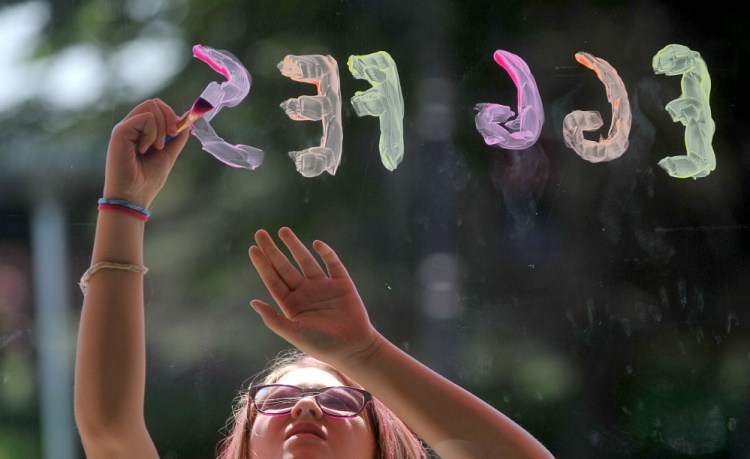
276 322
173 146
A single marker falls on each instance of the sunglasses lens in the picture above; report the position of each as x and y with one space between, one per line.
341 401
276 399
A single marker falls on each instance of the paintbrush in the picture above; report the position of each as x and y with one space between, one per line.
200 107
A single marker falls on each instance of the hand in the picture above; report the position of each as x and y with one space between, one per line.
321 313
138 160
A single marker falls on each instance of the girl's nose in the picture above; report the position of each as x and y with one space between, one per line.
306 406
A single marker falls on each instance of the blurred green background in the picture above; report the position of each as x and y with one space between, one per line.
602 306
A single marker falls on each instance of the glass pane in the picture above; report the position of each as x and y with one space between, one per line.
587 277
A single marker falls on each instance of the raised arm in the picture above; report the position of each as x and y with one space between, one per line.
111 354
323 315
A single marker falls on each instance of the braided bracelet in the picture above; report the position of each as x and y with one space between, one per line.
84 282
125 207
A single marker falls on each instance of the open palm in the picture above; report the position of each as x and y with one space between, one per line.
321 312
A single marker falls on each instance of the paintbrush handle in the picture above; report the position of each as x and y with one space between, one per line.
182 124
185 122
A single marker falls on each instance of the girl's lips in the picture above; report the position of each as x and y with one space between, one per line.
306 428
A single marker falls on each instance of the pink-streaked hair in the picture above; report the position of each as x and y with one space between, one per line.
394 439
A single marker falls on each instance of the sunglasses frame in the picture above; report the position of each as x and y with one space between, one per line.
307 391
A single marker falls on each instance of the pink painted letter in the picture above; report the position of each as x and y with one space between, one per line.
492 119
228 94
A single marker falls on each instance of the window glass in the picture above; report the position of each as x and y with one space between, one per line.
587 276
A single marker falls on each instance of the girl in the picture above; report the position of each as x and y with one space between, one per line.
349 393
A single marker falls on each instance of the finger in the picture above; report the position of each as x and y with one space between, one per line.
276 322
170 117
164 117
161 122
281 264
177 144
271 279
137 132
144 131
307 263
143 107
335 267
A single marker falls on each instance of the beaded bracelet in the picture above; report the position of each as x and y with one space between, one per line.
84 282
125 207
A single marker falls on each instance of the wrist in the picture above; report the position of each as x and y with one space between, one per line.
135 196
119 239
364 358
123 220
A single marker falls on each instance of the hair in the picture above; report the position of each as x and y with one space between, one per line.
394 439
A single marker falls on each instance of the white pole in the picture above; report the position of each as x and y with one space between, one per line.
54 359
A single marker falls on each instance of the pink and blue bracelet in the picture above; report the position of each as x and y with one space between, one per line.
125 207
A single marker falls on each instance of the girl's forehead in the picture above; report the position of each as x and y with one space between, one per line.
310 377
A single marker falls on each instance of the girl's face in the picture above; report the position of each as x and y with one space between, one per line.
307 432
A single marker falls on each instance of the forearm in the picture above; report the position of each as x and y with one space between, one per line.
323 315
455 423
110 360
110 374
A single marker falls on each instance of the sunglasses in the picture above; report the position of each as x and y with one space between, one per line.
337 401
